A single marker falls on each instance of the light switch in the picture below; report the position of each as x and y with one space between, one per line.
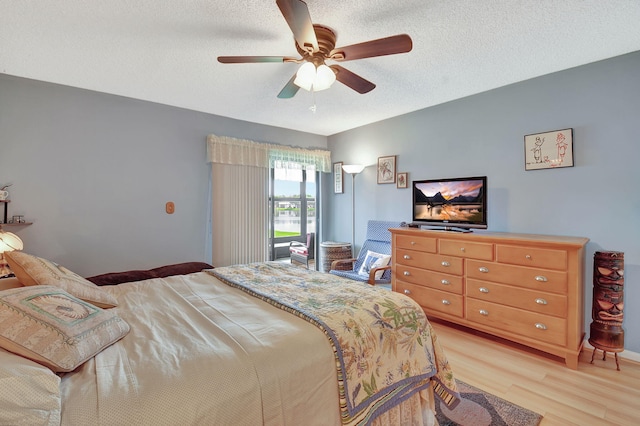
170 207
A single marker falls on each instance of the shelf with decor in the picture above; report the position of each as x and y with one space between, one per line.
5 216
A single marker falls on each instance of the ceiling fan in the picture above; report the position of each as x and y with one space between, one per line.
316 44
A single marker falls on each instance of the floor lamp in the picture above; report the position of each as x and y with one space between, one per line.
353 170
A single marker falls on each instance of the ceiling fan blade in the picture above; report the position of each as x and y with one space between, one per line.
383 46
352 80
254 59
297 15
289 90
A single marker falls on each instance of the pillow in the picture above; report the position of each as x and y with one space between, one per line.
374 260
30 392
114 278
50 326
32 270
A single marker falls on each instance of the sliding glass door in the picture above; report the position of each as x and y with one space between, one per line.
293 195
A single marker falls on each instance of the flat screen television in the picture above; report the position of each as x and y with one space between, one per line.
456 204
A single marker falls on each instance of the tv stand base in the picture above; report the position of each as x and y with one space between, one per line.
451 229
418 225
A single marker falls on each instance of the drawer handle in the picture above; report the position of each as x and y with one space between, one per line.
406 273
445 282
541 326
462 249
483 312
483 290
413 243
407 291
528 257
445 302
406 256
541 301
541 278
483 269
445 264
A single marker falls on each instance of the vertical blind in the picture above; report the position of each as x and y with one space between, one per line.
240 193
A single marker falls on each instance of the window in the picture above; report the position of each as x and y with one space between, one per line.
242 203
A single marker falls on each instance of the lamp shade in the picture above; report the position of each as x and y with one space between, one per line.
353 169
305 76
310 78
9 242
324 78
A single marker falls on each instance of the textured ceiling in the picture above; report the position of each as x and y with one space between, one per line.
165 51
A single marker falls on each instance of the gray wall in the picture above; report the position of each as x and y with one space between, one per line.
483 134
94 171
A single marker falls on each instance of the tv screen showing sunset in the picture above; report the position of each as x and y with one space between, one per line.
449 201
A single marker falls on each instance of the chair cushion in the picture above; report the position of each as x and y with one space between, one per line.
299 250
353 275
374 260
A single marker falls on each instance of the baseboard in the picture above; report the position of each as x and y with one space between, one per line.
631 356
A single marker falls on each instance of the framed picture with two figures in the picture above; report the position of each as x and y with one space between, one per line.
549 150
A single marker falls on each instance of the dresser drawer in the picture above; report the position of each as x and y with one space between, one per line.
434 262
533 257
531 278
432 300
536 326
411 242
531 300
424 277
467 249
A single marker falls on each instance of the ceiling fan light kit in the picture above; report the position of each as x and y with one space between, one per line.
316 44
310 78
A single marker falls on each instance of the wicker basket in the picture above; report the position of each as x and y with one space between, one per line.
330 251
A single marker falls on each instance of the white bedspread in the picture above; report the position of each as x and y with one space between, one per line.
201 353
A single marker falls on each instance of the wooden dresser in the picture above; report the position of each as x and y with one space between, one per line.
522 287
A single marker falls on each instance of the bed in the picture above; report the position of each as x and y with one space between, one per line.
266 343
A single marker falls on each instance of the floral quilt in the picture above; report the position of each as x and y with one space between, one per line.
385 348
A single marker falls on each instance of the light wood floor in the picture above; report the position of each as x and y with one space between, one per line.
595 394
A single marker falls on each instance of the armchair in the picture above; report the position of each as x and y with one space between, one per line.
303 252
378 242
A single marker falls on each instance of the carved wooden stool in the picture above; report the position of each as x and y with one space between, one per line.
607 333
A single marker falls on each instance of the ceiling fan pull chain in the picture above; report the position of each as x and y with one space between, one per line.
313 107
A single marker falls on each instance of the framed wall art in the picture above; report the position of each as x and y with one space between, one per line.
338 178
402 181
387 169
548 150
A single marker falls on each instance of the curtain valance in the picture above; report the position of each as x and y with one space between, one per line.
226 150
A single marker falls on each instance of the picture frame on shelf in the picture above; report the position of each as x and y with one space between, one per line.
338 178
548 150
402 180
387 169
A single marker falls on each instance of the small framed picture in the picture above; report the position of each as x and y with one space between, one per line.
338 178
548 150
401 180
387 169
